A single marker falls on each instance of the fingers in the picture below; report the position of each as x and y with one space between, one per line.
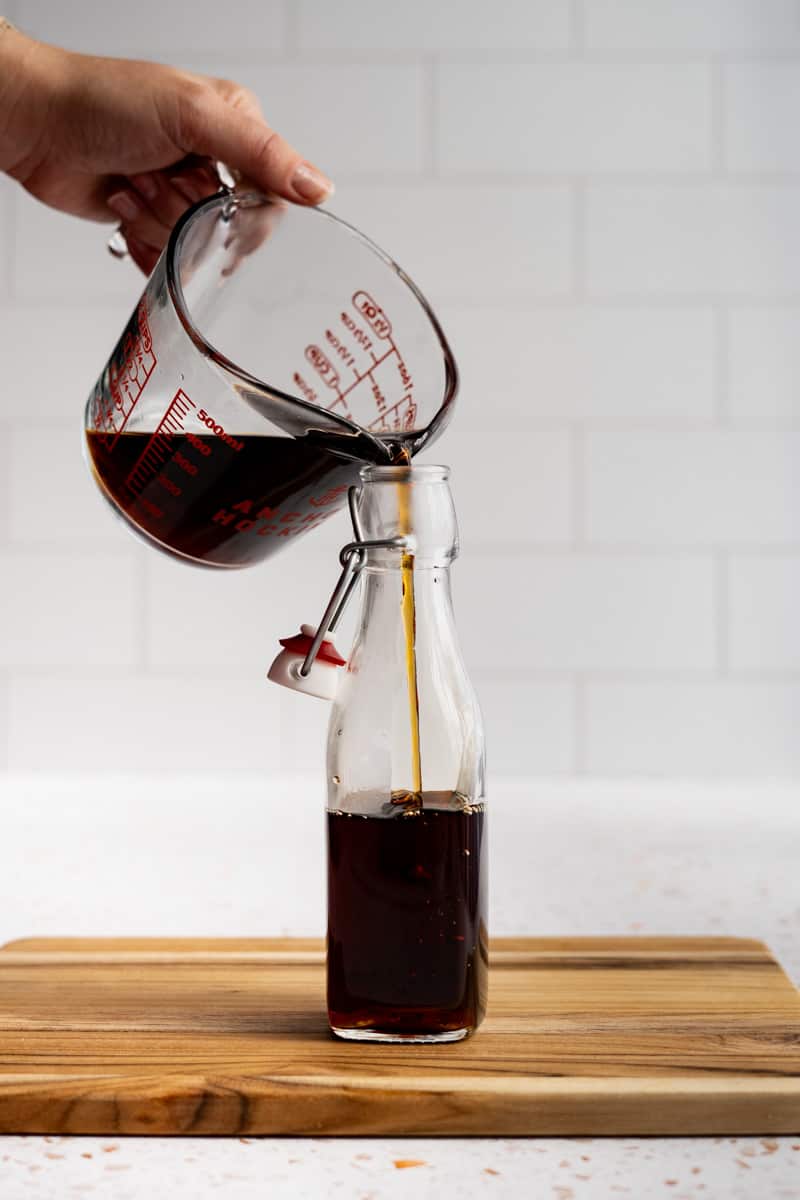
194 180
144 256
222 128
159 197
170 192
127 204
149 204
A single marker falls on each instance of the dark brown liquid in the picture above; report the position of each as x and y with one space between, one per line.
220 502
407 951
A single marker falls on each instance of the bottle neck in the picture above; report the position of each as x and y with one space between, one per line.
424 638
412 506
405 721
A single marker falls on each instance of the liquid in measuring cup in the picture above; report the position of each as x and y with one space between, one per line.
407 942
224 503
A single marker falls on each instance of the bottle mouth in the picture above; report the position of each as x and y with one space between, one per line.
404 473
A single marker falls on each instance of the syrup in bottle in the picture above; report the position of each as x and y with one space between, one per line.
406 823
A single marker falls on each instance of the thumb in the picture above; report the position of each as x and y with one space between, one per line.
245 143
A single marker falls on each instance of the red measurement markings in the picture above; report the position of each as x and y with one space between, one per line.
381 326
323 366
328 497
329 376
394 417
398 415
345 356
265 521
304 388
405 375
381 403
360 336
129 369
373 314
158 449
359 378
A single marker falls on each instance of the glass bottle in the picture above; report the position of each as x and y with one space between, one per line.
407 888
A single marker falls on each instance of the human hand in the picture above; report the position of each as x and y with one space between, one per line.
114 139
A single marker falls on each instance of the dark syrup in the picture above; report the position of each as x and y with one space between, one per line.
407 946
221 502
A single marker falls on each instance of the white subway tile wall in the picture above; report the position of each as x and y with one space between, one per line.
60 262
601 197
698 26
50 351
136 722
533 475
724 239
359 26
154 29
764 607
587 612
763 366
677 489
717 728
51 495
589 117
66 609
472 242
563 366
759 97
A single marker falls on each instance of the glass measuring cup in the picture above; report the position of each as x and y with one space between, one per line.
274 351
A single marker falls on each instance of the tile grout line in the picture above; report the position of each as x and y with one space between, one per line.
5 706
721 336
7 439
141 618
207 58
577 29
578 206
579 726
717 164
649 676
490 551
182 673
473 56
291 23
577 492
549 177
514 301
429 116
722 613
9 211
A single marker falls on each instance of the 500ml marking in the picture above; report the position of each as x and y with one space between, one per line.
218 431
159 451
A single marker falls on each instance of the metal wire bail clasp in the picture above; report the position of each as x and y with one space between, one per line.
352 558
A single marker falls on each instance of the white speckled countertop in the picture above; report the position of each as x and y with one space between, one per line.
395 1169
208 855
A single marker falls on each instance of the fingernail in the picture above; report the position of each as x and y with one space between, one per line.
124 205
311 184
146 184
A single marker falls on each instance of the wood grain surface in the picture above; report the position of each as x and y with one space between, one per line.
584 1036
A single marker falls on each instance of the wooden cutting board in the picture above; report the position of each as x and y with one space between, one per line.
584 1036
